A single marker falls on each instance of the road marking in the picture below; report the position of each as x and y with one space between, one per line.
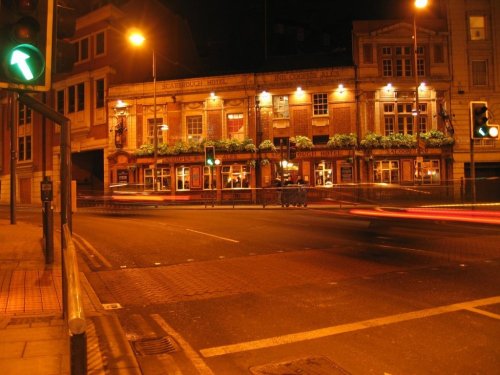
191 354
87 245
213 235
343 328
483 312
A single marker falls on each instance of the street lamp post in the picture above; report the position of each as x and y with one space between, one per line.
419 4
138 39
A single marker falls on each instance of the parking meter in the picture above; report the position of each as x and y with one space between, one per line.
46 190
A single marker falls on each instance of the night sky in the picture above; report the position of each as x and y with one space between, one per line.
231 35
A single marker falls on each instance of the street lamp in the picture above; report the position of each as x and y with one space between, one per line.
419 4
137 39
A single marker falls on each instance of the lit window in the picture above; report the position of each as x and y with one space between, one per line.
386 171
477 28
209 180
194 128
151 131
235 127
320 104
162 176
183 178
323 174
236 176
280 106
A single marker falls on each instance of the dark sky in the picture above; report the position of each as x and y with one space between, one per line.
234 35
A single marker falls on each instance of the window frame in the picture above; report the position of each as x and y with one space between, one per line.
281 106
320 104
97 43
231 173
194 122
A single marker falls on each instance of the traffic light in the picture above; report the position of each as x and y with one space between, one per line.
64 29
210 155
26 44
292 150
479 122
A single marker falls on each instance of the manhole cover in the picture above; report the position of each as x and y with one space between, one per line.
111 306
302 366
153 346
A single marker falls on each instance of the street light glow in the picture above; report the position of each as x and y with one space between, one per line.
421 3
136 38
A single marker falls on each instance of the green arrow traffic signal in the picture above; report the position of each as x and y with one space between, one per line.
25 63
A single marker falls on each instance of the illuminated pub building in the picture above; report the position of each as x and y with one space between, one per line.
257 122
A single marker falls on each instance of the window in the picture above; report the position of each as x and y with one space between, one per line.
323 174
387 68
99 43
438 54
194 128
477 28
320 104
24 133
235 129
398 118
82 50
99 93
71 99
479 73
209 181
367 54
280 106
151 131
76 98
162 176
422 118
236 176
431 173
320 139
183 178
80 91
60 101
398 61
386 171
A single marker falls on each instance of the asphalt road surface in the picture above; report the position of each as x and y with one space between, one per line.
296 291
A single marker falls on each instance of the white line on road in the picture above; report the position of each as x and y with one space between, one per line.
213 235
343 328
485 313
88 248
195 359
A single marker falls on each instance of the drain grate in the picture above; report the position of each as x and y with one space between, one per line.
154 346
310 365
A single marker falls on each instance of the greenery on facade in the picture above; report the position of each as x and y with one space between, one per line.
432 138
339 141
436 138
267 145
223 145
302 142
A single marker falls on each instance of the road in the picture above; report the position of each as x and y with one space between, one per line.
296 291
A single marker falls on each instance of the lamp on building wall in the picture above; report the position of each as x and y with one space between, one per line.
419 4
137 39
121 113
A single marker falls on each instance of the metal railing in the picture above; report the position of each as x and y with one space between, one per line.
73 307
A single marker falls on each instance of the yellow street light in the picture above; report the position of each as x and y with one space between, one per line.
136 38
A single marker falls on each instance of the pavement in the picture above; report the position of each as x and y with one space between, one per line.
34 337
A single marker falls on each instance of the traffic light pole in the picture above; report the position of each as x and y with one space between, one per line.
65 156
472 172
13 157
